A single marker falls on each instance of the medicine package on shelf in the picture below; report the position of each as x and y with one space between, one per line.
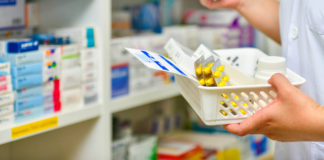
217 91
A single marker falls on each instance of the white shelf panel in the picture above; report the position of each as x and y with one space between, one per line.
144 97
64 119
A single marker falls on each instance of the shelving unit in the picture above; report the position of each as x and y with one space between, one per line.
83 133
144 97
63 120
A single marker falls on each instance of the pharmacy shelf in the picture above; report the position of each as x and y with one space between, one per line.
64 119
144 97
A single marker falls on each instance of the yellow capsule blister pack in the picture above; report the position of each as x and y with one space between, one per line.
214 73
199 71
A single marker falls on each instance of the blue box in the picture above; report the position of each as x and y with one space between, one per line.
120 80
26 69
27 81
21 46
29 114
29 92
18 46
22 58
26 103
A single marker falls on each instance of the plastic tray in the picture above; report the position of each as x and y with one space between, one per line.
241 101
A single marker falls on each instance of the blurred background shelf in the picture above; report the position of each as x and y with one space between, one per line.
144 97
64 119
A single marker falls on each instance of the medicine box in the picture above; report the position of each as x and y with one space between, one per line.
89 76
22 58
16 46
5 88
90 93
5 79
71 98
119 80
70 78
26 69
4 66
88 53
13 14
29 92
26 103
5 110
6 99
27 81
48 108
6 121
29 114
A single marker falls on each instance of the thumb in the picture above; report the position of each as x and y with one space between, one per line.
250 125
279 82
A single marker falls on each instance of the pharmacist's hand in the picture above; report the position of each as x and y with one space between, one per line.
292 116
217 4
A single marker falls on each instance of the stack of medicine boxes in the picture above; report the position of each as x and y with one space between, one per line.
85 38
70 78
51 74
27 77
6 96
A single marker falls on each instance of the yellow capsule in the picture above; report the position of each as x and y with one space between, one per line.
225 78
202 82
232 111
225 96
236 97
223 104
198 71
223 112
245 104
242 111
217 74
221 84
207 70
233 104
221 68
210 82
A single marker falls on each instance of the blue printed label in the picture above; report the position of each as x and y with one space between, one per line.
7 2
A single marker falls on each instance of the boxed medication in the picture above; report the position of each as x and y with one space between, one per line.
14 15
29 114
26 103
6 110
22 58
71 98
18 46
4 68
70 78
27 81
90 93
26 69
226 94
6 99
7 120
29 92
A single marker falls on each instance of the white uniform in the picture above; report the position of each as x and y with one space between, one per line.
302 38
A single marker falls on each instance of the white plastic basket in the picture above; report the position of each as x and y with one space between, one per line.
241 101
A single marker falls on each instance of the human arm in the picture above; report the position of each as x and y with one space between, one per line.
262 14
292 116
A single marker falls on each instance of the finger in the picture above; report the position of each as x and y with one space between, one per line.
279 82
250 125
210 4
